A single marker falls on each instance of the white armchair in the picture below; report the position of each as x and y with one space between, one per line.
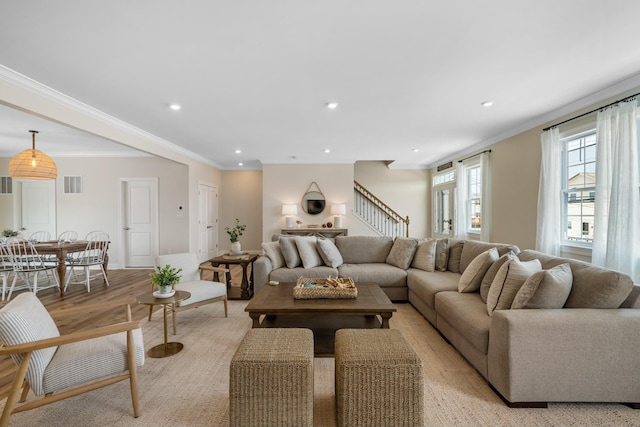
202 291
60 366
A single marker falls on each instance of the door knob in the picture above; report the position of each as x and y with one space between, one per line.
126 229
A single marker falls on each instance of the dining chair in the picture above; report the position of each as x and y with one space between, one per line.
202 291
26 262
68 236
58 366
39 236
92 256
6 268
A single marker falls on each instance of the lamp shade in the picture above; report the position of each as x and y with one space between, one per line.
289 209
340 209
32 164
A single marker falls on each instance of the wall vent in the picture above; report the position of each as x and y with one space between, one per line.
6 185
72 185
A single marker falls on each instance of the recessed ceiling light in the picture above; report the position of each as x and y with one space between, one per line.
326 150
332 105
415 150
238 151
240 164
487 103
175 107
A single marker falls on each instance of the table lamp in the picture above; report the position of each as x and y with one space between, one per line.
337 210
289 210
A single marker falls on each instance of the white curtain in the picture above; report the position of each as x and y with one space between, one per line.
485 201
549 231
460 225
616 242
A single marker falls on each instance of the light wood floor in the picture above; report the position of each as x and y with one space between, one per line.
125 285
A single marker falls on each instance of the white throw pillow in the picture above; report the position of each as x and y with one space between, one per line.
425 256
307 248
508 282
329 253
273 251
474 273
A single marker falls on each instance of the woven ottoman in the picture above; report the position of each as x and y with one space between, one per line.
379 379
271 379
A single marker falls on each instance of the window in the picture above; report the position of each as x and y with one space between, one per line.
579 187
474 191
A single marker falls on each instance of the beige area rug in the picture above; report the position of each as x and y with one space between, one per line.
191 387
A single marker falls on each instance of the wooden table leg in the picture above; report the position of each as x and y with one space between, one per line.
256 319
245 281
62 269
385 320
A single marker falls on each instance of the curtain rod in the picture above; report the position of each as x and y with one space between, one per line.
471 157
592 111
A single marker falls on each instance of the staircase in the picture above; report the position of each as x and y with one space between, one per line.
378 214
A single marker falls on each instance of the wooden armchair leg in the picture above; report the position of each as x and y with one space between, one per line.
25 391
225 306
14 392
150 311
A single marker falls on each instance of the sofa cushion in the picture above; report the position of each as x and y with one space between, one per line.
592 287
329 253
402 252
307 249
472 248
273 251
383 274
427 284
455 253
474 273
508 281
292 274
491 274
442 254
290 252
425 256
364 249
468 315
545 289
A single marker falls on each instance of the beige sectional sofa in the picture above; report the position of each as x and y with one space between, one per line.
538 328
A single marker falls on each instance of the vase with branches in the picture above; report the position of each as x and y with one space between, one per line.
234 234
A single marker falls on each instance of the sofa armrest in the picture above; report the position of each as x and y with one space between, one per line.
262 268
565 355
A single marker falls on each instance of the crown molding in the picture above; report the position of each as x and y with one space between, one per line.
26 83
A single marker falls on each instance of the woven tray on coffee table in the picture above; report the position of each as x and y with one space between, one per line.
330 288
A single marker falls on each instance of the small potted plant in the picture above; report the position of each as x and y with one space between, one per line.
164 278
234 234
7 232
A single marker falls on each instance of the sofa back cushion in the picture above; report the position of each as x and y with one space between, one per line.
473 248
364 249
402 252
593 287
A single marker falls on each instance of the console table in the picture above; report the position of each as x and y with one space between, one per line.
318 232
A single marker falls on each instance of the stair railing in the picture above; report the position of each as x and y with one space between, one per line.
378 214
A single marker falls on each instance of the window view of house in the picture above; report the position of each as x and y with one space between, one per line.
580 187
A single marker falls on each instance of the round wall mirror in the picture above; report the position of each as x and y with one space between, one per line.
313 202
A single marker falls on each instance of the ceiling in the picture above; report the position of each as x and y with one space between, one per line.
256 75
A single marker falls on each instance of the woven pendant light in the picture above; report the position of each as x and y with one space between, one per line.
32 164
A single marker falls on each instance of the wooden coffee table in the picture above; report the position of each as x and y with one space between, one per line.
274 307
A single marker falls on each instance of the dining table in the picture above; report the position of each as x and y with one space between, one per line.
61 250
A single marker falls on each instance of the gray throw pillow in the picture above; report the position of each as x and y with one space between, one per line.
402 252
273 251
455 254
508 282
474 273
425 256
307 248
491 274
442 254
545 289
329 253
290 252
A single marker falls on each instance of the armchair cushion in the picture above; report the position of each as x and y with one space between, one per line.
200 290
24 320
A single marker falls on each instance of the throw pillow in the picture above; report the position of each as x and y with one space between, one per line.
273 251
442 254
402 252
474 273
545 289
307 248
455 254
491 274
290 252
425 256
508 282
329 253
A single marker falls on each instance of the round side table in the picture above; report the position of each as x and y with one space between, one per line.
167 348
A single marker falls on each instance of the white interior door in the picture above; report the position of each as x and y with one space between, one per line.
443 210
207 222
38 207
140 222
